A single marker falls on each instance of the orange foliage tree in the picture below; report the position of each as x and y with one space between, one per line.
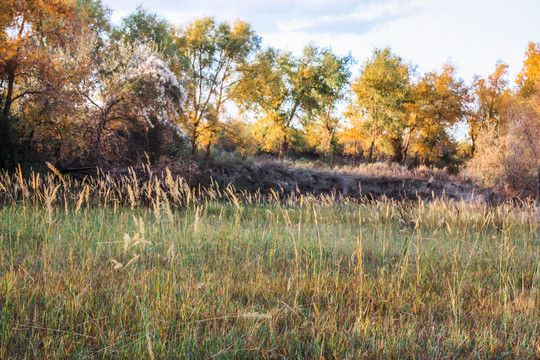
29 29
39 67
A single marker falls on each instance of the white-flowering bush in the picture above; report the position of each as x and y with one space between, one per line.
138 85
138 101
154 91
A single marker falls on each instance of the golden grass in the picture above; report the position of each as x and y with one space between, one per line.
124 268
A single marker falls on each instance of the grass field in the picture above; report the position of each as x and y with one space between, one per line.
126 268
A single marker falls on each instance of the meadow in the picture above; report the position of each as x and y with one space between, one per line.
148 267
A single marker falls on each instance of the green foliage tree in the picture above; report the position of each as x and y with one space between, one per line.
380 94
97 17
144 27
285 89
212 54
321 121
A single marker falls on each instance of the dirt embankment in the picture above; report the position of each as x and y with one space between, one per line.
317 182
284 179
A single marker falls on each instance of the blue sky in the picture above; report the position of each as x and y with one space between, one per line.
471 34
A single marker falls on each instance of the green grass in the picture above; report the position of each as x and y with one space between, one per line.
301 277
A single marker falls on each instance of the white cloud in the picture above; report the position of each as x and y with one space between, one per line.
474 34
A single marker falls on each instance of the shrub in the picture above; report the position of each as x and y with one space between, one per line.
510 158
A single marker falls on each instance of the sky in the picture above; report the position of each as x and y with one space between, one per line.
471 34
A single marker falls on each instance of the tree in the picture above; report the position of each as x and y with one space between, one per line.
530 74
439 103
52 119
321 123
282 89
28 30
490 96
97 18
380 93
510 157
211 53
508 150
143 27
237 136
353 136
35 38
522 158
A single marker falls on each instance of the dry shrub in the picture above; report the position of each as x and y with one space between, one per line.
522 160
510 158
487 166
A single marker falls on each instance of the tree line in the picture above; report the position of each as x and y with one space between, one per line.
82 91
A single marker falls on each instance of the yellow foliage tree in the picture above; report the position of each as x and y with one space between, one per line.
238 136
490 98
288 91
530 74
379 97
440 101
355 137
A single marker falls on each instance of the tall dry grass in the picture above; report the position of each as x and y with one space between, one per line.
124 268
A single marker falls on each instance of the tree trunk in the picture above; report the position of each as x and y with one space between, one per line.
6 140
331 131
284 145
473 147
406 147
371 147
103 119
283 148
9 96
194 138
331 143
539 184
207 154
397 149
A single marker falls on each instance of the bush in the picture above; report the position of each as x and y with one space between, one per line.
487 165
522 160
510 158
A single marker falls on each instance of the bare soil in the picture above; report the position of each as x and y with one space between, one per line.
285 180
317 182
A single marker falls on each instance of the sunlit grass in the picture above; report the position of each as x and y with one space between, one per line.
88 270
